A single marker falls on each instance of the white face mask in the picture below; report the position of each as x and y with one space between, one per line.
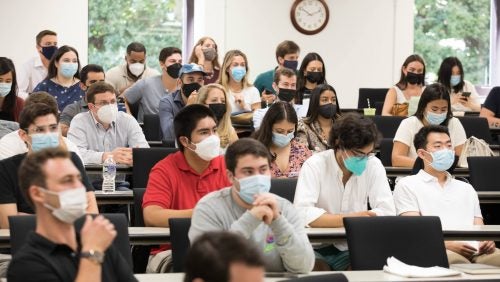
209 148
107 114
136 68
72 204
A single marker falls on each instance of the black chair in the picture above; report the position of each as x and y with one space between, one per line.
138 217
21 225
179 228
151 127
169 143
415 240
385 147
387 125
144 160
284 187
477 127
375 95
483 173
140 254
334 277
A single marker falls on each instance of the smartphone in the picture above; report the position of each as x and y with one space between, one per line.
466 94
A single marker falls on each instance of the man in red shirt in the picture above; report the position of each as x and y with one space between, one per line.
180 180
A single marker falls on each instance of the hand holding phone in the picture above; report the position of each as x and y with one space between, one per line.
466 94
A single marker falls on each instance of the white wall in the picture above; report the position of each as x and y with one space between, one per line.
363 45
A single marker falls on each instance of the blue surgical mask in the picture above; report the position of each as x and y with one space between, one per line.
455 79
281 140
252 186
238 73
443 159
68 70
5 89
42 141
435 119
356 165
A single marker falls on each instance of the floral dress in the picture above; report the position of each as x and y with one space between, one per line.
298 155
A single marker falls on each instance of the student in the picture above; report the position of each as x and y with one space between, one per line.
54 251
224 257
277 133
434 192
189 82
103 130
33 71
342 181
411 84
324 109
248 208
491 107
134 68
89 75
312 72
148 92
214 96
451 75
180 180
234 78
10 104
62 79
434 108
205 54
40 130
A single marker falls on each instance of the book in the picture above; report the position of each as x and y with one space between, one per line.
476 268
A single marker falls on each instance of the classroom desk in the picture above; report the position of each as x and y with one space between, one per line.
96 169
352 276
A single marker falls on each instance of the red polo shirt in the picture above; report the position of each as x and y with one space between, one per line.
173 184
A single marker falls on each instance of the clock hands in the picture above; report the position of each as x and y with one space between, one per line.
315 12
302 8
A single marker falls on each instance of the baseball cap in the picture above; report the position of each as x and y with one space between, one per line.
190 68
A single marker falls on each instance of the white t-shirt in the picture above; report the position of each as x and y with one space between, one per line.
251 96
410 126
456 203
29 75
468 87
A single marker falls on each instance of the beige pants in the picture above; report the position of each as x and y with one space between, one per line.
491 259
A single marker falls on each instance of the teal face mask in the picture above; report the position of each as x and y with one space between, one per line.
356 165
42 141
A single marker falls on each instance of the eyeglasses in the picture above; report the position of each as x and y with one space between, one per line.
43 129
360 154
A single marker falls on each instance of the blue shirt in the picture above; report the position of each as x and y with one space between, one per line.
170 105
64 95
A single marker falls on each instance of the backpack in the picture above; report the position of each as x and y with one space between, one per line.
474 147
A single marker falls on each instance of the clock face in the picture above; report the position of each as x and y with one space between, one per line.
310 16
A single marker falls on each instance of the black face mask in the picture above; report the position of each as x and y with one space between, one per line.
291 64
314 76
219 110
189 88
48 51
286 95
173 70
328 111
414 78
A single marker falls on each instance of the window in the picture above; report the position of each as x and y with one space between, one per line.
115 24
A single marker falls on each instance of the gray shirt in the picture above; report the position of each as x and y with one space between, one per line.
170 105
7 126
93 140
148 93
284 242
70 111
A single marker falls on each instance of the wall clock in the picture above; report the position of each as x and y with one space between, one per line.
309 16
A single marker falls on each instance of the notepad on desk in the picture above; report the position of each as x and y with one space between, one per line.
394 266
476 268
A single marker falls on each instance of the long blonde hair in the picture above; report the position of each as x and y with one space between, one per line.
194 59
226 65
224 127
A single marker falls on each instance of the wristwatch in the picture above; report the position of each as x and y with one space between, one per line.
94 256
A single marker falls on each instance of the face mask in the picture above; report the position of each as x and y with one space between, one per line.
68 70
356 165
136 69
286 95
442 160
107 114
42 141
5 89
253 185
209 148
281 140
189 88
238 73
209 53
435 119
48 51
414 78
173 70
328 111
455 80
314 76
219 109
72 204
291 64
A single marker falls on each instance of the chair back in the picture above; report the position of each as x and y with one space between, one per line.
385 146
477 127
179 228
151 127
144 159
415 240
138 216
374 94
334 277
483 172
387 125
284 187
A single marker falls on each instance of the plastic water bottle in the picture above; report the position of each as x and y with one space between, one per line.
108 175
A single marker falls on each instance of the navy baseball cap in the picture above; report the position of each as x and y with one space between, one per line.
190 68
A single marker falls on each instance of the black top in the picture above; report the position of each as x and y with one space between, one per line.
42 260
492 102
10 193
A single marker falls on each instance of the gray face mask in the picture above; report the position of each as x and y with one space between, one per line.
209 53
